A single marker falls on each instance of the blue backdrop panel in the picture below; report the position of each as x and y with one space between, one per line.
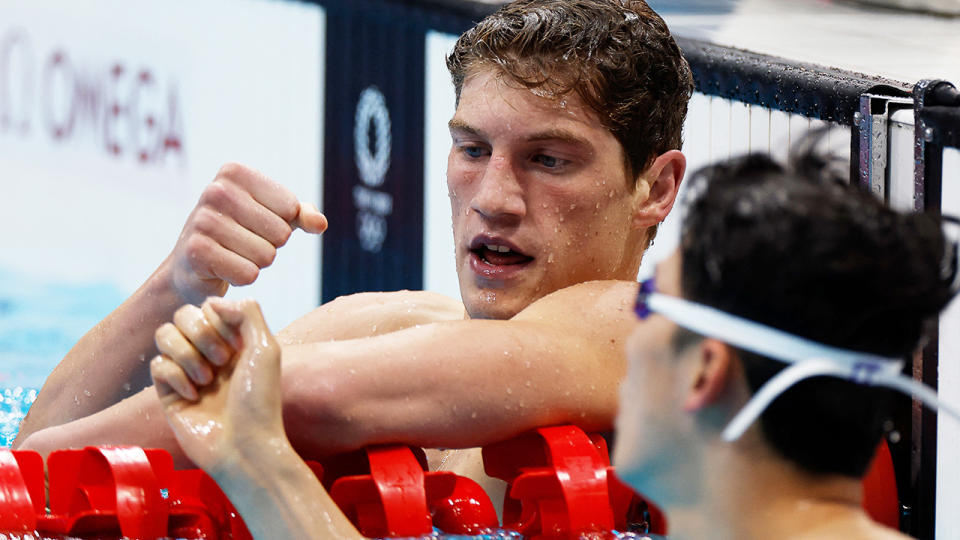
373 170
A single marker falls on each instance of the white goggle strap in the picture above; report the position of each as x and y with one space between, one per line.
810 359
752 336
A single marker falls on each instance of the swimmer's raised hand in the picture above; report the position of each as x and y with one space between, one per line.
234 231
218 378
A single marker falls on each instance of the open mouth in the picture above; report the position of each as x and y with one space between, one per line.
494 258
500 255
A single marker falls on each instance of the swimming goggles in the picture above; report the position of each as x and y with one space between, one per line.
808 358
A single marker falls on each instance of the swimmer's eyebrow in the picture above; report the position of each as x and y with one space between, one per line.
459 125
554 134
563 136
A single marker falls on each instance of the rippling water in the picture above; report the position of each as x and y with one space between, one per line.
14 403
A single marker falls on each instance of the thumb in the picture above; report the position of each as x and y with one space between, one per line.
310 219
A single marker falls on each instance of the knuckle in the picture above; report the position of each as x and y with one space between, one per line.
267 257
231 169
283 235
163 336
217 194
205 220
247 275
196 247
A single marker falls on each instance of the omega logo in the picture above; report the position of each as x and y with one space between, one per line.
122 111
373 206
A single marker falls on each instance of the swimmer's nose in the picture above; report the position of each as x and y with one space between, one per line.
499 195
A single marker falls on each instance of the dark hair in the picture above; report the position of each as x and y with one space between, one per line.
617 55
798 249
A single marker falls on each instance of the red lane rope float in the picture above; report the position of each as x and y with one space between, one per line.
560 481
560 485
397 496
21 490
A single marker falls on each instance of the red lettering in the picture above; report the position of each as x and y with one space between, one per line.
173 140
57 76
127 112
15 53
115 110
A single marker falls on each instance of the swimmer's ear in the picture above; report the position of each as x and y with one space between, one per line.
710 375
662 178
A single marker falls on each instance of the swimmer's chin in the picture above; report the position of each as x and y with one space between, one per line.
483 308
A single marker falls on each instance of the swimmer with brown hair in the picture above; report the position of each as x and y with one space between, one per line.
564 159
759 377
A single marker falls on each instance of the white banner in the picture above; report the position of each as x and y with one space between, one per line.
113 117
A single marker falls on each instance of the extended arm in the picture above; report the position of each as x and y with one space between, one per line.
234 231
464 383
454 383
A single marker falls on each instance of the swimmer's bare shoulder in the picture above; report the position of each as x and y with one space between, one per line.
370 314
597 316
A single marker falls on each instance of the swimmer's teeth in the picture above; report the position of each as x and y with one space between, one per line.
499 249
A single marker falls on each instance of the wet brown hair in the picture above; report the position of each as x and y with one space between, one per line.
617 55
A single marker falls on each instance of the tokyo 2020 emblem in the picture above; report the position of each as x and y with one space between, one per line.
372 108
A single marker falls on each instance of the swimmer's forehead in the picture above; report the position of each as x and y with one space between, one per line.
489 107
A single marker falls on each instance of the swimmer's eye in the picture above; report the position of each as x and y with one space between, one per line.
550 162
474 152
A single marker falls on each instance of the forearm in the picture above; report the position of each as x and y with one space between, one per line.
110 362
278 496
137 420
470 385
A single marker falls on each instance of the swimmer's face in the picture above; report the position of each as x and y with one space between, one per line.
656 449
540 197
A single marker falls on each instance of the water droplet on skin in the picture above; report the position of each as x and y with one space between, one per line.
561 219
374 329
87 393
76 399
573 206
611 193
473 414
509 391
556 229
126 387
550 258
528 384
598 207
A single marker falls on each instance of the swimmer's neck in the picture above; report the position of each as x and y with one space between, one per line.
748 493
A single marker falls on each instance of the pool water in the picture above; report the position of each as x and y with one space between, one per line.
40 320
14 403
